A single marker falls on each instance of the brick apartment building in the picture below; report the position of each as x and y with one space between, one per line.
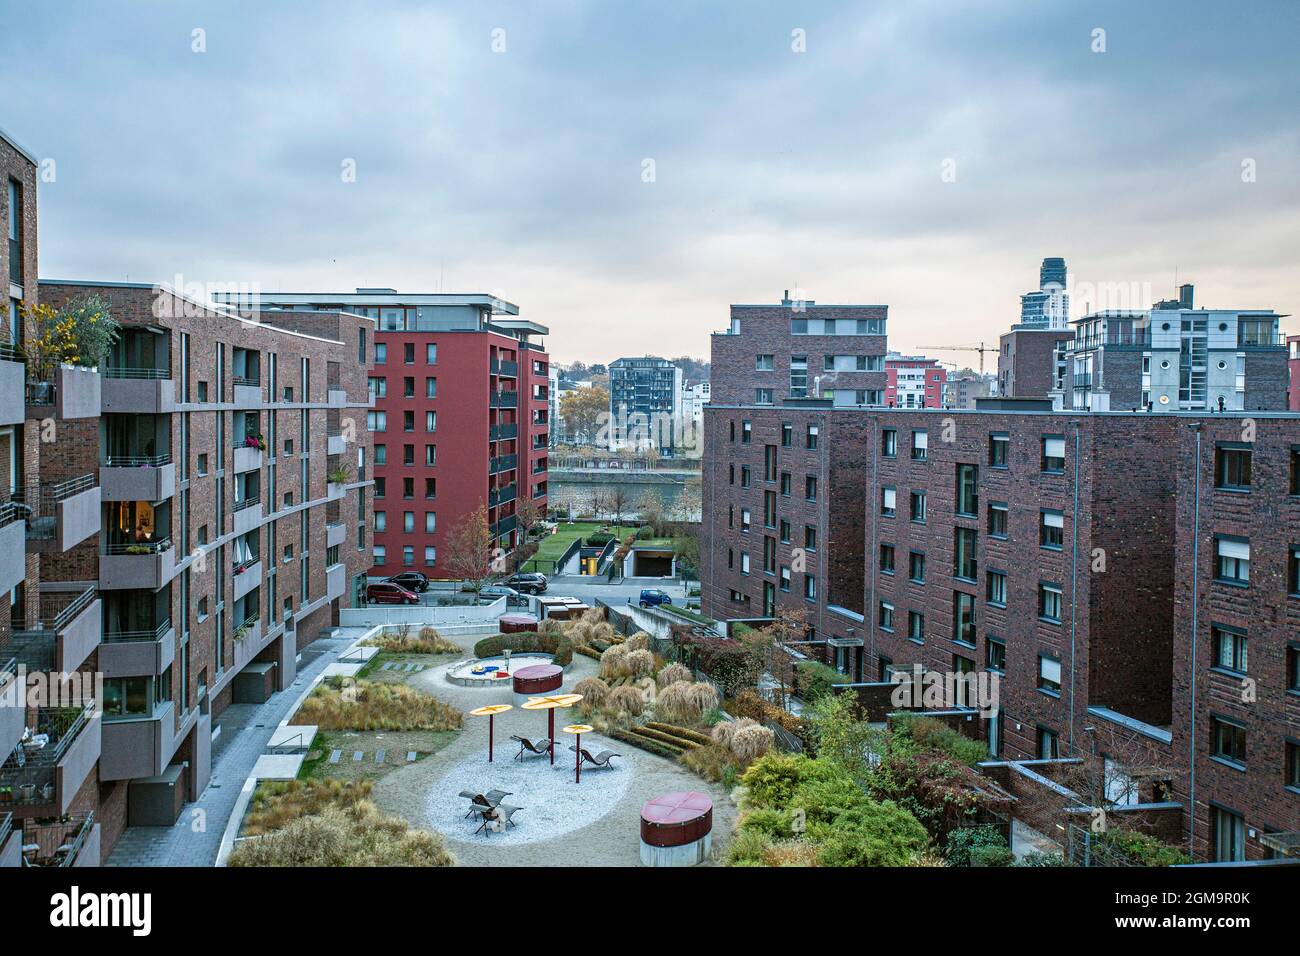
1032 363
460 420
1293 372
1059 550
913 381
166 550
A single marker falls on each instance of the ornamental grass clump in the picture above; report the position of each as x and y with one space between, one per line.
673 674
686 703
353 835
368 705
626 700
613 662
595 693
428 642
639 663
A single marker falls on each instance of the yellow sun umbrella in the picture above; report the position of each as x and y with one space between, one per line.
550 705
490 712
578 730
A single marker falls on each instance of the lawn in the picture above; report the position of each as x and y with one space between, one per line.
553 546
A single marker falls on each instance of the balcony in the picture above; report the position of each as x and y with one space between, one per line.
500 496
13 708
503 463
503 432
138 746
67 634
11 842
45 771
73 841
505 526
13 373
137 478
74 392
247 514
336 533
64 515
247 457
248 642
334 490
507 368
141 391
336 581
141 653
248 392
13 544
335 443
336 396
246 577
504 400
147 565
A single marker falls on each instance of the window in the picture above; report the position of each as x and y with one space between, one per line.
203 464
1293 668
920 445
1049 674
1228 740
810 587
431 353
408 454
769 463
916 626
810 488
381 353
763 396
1049 744
809 538
999 449
1232 468
812 436
1053 454
408 421
408 387
408 552
1232 561
1295 471
968 499
744 519
963 618
997 520
787 435
430 387
1049 603
381 521
746 432
917 506
995 652
431 487
1051 529
798 376
785 531
916 567
744 476
377 421
1229 648
889 443
785 578
1293 764
886 559
764 363
997 588
381 486
888 502
886 616
430 555
965 563
430 522
381 454
1293 571
785 484
408 353
408 521
430 421
769 509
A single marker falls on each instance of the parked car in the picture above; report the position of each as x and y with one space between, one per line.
513 597
411 580
529 582
386 592
652 597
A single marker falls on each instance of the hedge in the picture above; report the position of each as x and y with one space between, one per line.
557 645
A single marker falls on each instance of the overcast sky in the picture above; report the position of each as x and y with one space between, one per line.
523 172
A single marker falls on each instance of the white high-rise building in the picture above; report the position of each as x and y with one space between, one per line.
1049 307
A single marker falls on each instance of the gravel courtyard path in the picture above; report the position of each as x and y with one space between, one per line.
594 823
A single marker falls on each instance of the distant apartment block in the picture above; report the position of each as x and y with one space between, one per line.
1177 358
963 388
913 381
1293 369
1033 363
461 417
645 396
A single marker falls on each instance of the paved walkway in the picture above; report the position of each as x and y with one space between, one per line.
245 731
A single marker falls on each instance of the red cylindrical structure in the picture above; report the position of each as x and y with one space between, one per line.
676 819
514 623
538 679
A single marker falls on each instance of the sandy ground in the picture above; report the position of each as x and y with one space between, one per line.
595 823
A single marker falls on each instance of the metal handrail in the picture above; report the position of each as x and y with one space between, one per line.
52 838
153 547
248 502
246 380
138 373
136 461
239 567
124 637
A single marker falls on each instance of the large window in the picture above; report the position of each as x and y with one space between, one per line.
965 564
1228 740
963 617
1053 454
1049 674
968 499
1051 530
1049 603
889 443
920 445
997 520
1232 467
888 502
997 588
1229 648
1232 561
999 449
1229 834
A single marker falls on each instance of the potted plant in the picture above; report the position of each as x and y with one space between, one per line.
338 476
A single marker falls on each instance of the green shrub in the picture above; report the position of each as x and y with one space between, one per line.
1038 858
873 834
748 847
772 823
774 779
964 842
542 642
817 680
992 856
912 733
1142 849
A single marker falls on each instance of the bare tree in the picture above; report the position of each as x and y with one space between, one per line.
469 549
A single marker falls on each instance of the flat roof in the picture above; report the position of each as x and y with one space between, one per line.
380 298
823 405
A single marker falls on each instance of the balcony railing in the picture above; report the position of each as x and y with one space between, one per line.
247 380
501 496
139 547
37 647
30 769
57 844
503 463
500 367
136 461
42 502
144 373
247 502
503 432
504 400
144 634
6 826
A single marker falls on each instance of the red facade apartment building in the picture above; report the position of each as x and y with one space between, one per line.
460 417
913 381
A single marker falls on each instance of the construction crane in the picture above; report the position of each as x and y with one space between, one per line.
981 348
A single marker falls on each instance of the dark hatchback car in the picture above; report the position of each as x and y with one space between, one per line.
411 580
386 592
528 582
651 597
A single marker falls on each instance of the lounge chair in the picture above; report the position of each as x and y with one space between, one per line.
601 759
503 812
477 803
542 747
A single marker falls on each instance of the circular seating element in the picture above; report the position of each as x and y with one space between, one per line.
514 623
676 829
538 679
